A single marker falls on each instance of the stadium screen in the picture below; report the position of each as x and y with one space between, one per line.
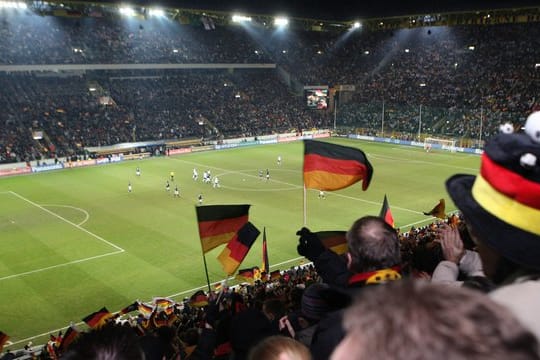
316 97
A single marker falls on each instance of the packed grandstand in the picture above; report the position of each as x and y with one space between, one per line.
75 81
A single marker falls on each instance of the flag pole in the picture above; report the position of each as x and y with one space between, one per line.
206 272
305 206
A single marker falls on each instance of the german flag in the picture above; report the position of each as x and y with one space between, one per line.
333 240
265 268
218 224
245 275
386 214
236 250
332 167
146 310
130 308
199 299
3 340
438 210
70 335
98 318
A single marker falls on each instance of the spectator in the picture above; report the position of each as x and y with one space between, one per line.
501 208
108 342
279 348
373 258
417 320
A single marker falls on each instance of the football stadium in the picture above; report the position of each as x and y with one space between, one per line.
157 166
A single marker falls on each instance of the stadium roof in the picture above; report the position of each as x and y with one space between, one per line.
344 9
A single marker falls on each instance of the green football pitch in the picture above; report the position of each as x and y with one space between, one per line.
75 240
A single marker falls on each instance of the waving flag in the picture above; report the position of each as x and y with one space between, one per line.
236 250
332 167
98 318
265 268
386 214
218 224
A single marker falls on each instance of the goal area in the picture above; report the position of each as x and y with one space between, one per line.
438 143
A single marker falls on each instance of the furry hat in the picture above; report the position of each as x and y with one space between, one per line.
502 203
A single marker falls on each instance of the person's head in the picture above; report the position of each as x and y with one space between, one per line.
108 342
419 320
501 205
279 348
372 244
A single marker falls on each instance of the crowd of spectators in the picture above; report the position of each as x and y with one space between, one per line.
460 76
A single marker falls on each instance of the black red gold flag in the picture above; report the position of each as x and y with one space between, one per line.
218 224
386 214
3 339
236 250
265 268
98 318
333 240
70 335
332 167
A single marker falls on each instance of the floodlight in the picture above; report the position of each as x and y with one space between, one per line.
126 11
281 21
471 47
537 65
422 84
240 18
407 50
356 25
156 12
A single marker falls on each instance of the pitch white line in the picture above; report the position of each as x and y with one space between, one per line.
60 265
87 215
69 222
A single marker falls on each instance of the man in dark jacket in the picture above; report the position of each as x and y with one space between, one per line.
373 257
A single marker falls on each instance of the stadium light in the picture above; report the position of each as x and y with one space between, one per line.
156 12
281 21
407 50
471 47
241 18
12 5
126 11
537 65
356 25
422 84
366 52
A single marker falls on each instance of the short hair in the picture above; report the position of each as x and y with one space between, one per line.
110 341
419 320
373 245
279 348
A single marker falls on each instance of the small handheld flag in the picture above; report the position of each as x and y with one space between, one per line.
265 268
386 214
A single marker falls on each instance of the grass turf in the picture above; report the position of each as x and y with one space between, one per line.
75 240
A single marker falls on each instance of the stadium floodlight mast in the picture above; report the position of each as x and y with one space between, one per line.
281 21
126 11
240 18
156 12
13 5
